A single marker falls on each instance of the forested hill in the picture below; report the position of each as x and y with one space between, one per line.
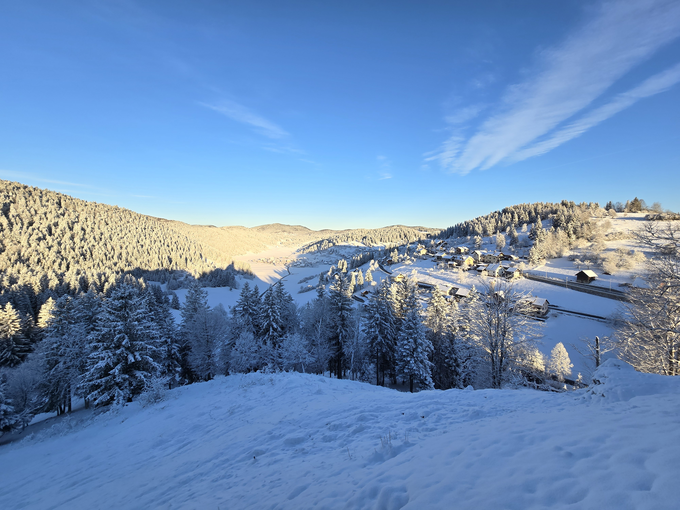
44 232
395 235
521 214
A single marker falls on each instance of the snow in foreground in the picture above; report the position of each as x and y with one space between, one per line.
301 441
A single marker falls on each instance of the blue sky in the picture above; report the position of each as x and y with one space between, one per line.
341 114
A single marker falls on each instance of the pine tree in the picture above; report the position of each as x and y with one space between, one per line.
8 418
65 353
380 330
369 275
174 302
245 356
167 340
45 314
414 350
208 336
123 359
439 324
13 345
340 306
269 318
559 363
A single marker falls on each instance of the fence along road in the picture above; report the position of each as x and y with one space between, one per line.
580 287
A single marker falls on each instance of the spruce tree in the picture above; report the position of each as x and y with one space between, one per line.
340 307
13 345
124 350
8 417
380 330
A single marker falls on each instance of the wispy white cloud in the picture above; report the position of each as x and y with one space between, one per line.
244 115
463 115
385 166
566 80
651 86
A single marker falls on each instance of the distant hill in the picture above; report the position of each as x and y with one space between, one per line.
58 244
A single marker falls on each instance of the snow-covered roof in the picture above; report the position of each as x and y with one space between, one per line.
588 272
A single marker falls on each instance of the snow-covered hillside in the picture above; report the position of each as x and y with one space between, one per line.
303 441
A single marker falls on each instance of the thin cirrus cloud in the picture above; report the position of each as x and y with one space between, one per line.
566 80
658 83
239 113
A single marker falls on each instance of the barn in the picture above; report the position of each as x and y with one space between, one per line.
585 276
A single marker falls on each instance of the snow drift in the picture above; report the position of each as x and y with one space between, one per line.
302 441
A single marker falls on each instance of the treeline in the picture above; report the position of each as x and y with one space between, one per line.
387 236
515 217
633 206
113 348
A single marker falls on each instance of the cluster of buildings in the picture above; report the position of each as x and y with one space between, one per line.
497 264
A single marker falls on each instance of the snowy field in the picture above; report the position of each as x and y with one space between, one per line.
301 441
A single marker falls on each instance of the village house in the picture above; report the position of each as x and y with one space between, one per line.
490 258
462 250
459 293
538 306
585 276
465 261
477 255
512 273
494 270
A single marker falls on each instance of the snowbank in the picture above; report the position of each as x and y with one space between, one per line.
302 441
618 381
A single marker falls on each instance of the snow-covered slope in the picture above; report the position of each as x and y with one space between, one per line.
302 441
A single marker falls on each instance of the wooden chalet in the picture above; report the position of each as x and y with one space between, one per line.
425 286
462 250
538 306
585 276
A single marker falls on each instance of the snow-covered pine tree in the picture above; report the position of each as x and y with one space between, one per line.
8 418
245 356
559 363
169 349
45 314
13 345
208 337
124 351
287 307
269 318
440 331
380 330
295 353
195 302
340 307
64 351
360 279
413 347
369 275
247 308
174 302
